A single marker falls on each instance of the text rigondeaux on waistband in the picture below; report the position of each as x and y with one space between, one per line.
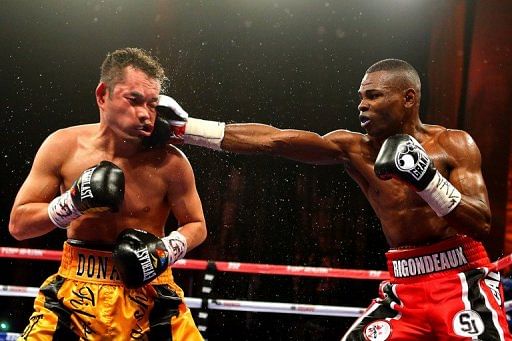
428 264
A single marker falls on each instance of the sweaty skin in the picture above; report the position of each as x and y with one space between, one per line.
386 108
159 181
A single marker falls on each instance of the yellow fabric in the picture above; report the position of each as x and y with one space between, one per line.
90 301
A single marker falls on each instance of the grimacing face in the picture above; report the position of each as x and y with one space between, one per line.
130 107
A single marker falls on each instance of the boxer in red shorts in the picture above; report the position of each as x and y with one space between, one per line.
116 183
426 186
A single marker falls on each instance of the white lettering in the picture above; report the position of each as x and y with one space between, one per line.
405 270
85 186
147 268
445 264
412 267
435 258
435 262
396 269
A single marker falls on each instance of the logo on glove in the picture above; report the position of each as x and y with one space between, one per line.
412 159
148 270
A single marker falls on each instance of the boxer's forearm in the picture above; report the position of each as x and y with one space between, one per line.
194 232
250 138
30 221
255 138
471 217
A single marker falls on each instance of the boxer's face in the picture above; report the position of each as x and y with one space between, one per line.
381 109
129 108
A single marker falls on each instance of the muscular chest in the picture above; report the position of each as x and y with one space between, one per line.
145 185
389 193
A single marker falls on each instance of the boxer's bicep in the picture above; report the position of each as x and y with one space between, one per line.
29 214
466 173
43 180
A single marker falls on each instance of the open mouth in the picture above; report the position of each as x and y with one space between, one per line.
364 120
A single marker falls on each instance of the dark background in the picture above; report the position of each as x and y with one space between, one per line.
290 63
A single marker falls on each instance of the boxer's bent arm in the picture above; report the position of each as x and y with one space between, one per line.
185 203
298 145
29 214
472 216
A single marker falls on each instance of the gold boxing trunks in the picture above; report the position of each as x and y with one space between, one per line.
86 300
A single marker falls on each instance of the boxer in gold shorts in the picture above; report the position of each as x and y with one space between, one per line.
117 181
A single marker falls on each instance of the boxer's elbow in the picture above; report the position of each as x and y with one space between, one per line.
16 230
202 233
24 225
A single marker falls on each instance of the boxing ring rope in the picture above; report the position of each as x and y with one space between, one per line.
194 264
223 304
233 305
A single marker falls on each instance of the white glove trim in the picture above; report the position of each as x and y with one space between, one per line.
176 245
62 211
204 133
441 195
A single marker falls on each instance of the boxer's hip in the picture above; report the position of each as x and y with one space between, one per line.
96 266
449 256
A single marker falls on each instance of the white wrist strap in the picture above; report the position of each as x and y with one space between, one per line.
441 195
176 244
62 210
204 133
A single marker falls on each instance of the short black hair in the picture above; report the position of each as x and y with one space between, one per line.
408 76
112 68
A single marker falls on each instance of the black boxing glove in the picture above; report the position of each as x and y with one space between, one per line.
140 256
403 158
170 122
99 188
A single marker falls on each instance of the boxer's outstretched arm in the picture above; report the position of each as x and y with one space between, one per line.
299 145
29 215
250 138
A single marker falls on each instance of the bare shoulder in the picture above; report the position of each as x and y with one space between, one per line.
451 137
62 142
172 159
68 135
457 143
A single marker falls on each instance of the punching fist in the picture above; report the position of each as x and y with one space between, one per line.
170 122
99 188
173 125
169 110
402 157
140 256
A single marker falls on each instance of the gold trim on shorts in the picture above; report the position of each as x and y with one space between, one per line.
96 266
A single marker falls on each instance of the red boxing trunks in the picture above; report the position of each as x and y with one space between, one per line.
445 291
86 300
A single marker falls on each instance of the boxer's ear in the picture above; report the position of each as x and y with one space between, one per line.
101 92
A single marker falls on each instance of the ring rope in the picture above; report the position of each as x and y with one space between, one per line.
195 264
236 305
254 268
223 304
9 336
